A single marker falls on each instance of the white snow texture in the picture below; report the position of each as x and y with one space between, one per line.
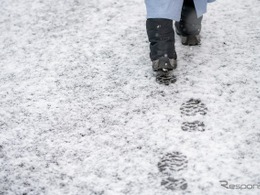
81 113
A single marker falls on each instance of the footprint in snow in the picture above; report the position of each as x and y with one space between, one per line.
193 107
171 165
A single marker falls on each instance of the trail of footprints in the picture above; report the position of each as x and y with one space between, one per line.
172 165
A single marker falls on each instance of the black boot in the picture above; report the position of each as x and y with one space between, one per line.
189 26
162 50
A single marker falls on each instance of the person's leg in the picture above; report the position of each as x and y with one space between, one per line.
159 25
189 26
161 37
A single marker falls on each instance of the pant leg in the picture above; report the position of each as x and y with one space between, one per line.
171 9
167 9
201 6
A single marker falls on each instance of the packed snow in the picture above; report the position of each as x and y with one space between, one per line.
81 113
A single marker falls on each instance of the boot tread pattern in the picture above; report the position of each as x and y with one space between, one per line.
193 107
171 166
193 126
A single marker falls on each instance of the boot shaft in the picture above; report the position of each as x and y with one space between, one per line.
161 37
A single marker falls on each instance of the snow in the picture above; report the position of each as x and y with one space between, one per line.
81 113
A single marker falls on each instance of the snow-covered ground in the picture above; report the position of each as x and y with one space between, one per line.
81 113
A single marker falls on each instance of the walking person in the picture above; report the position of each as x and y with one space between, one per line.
187 15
